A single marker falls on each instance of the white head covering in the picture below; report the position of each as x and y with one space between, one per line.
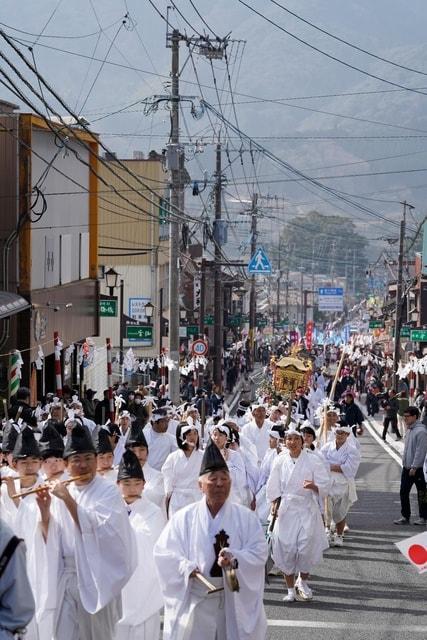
346 429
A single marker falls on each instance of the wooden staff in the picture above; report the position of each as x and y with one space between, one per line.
211 588
47 485
337 375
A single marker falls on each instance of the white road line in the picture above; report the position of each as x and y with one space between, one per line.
383 444
350 626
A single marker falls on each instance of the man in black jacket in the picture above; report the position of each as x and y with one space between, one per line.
22 399
351 415
391 406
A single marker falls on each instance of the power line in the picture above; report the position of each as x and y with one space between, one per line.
303 176
328 55
24 42
203 20
177 212
346 42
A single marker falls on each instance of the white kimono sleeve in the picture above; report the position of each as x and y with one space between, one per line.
251 558
105 551
351 464
273 487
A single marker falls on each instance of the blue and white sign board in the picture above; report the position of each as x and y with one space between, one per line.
137 312
259 263
331 299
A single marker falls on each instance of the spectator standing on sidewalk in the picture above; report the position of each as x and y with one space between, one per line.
391 407
403 404
414 455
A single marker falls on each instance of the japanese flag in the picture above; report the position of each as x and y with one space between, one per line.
415 550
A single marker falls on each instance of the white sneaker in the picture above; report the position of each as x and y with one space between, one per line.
346 528
290 596
303 591
338 541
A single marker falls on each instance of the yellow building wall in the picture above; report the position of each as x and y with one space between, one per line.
129 219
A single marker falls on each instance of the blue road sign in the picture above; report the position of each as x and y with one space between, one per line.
259 262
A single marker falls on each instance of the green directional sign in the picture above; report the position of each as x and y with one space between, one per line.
192 330
209 320
234 321
418 335
261 322
139 333
108 308
376 324
405 332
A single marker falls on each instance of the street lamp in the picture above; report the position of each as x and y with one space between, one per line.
183 314
111 279
149 309
196 315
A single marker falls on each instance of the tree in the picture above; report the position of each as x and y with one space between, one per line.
325 244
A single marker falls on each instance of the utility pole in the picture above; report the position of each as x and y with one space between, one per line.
354 273
312 264
301 295
334 246
398 317
279 277
304 309
218 298
252 299
176 161
287 291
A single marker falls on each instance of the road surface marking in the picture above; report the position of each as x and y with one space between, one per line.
383 444
350 626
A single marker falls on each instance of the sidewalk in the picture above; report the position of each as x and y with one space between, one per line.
376 425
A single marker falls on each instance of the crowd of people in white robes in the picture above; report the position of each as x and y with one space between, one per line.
119 526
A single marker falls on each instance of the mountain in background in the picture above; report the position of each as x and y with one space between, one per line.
273 66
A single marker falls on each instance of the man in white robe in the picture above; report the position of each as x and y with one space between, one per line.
214 538
297 479
142 597
343 459
160 442
96 553
257 431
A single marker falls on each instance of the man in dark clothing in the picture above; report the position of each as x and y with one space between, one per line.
22 399
301 402
351 415
102 411
139 410
339 390
391 406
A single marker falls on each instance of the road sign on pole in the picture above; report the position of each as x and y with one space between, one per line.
199 348
259 263
331 299
135 332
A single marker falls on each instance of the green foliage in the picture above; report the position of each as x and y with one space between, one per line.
326 242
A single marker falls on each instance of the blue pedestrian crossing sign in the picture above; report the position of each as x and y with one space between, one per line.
259 262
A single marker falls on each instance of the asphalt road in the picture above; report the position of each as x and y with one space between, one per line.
366 589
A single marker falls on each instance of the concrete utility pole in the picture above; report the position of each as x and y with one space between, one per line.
279 278
398 316
301 295
252 299
176 162
354 273
218 311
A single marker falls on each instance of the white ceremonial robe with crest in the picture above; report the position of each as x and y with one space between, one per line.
299 537
95 562
181 479
142 598
186 544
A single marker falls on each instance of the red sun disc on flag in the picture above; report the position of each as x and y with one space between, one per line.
417 553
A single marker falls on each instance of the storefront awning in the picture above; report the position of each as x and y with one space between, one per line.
11 303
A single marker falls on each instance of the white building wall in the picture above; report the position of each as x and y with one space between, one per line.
66 215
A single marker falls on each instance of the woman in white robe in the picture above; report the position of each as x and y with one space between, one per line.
277 433
298 541
181 469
